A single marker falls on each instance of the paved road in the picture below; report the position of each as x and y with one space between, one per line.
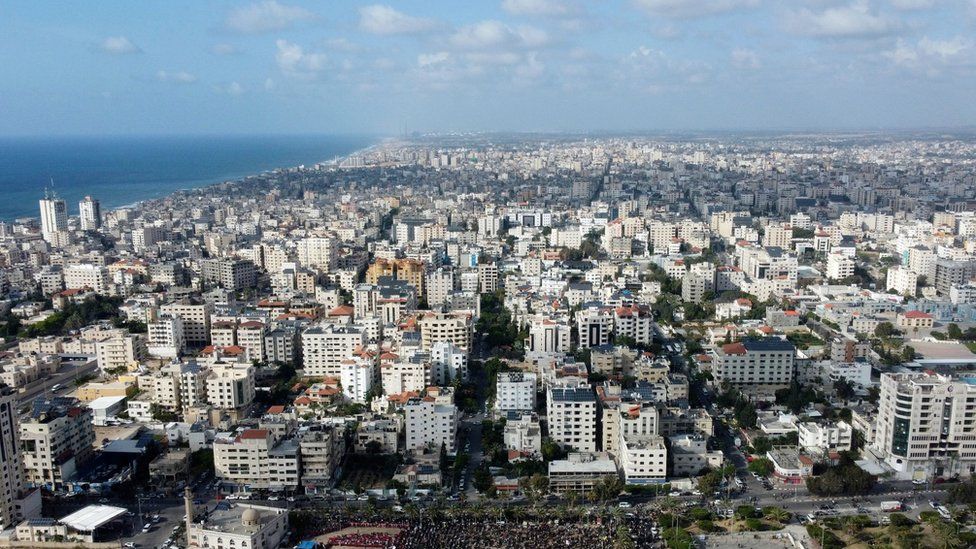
66 377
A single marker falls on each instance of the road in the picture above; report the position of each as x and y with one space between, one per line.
66 377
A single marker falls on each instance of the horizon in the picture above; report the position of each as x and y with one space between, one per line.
299 67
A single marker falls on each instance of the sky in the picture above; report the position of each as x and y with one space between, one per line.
334 66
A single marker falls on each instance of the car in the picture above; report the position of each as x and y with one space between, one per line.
624 505
290 499
274 498
103 500
147 527
918 482
129 545
363 497
156 518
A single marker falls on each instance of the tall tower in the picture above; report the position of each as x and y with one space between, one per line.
188 504
12 479
54 216
90 212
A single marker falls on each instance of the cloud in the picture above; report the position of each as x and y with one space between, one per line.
292 59
548 8
266 16
495 34
269 84
911 5
745 59
689 9
932 57
429 59
653 71
232 88
178 77
118 45
225 49
384 20
854 20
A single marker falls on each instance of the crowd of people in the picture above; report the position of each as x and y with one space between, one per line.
371 540
460 531
471 533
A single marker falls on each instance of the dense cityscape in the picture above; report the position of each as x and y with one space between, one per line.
481 340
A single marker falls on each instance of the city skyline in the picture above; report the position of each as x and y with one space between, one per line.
514 65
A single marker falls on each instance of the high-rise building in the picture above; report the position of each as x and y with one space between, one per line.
56 441
54 217
13 506
90 212
925 426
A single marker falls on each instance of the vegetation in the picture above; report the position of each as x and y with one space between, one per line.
761 466
844 479
75 316
497 326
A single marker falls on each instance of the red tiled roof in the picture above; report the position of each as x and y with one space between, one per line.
252 434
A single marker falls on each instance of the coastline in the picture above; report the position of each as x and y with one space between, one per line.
150 176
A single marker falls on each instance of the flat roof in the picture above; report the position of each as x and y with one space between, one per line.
93 516
105 402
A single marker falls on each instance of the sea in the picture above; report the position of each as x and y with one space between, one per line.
120 171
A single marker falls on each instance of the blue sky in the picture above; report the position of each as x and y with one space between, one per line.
333 66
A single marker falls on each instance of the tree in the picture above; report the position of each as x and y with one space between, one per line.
622 539
907 353
953 331
534 487
482 479
843 388
846 479
777 514
884 330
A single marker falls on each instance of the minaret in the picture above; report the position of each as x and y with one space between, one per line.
188 503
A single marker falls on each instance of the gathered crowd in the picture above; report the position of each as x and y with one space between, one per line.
466 531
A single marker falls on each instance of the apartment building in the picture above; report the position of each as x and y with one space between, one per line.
515 392
766 361
230 386
594 326
454 327
635 322
196 320
56 440
120 351
325 347
432 422
926 424
571 416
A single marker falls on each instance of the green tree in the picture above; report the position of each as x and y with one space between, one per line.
761 466
884 330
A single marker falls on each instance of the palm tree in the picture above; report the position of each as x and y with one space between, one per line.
948 534
777 514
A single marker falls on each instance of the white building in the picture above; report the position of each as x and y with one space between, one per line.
90 214
594 326
230 386
325 347
516 391
166 337
571 416
448 362
902 280
54 218
926 424
432 422
822 439
644 460
766 361
839 266
239 527
82 276
356 375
